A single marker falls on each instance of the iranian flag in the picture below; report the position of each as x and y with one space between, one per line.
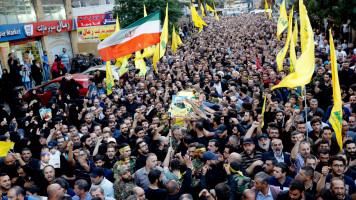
139 35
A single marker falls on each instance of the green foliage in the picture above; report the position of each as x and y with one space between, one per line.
339 11
130 11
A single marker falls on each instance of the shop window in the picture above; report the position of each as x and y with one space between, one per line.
17 11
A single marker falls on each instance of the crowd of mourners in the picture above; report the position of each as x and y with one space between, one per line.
118 146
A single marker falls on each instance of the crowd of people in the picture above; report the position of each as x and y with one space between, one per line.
118 146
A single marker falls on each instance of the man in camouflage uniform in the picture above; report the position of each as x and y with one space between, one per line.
242 182
124 183
125 158
198 164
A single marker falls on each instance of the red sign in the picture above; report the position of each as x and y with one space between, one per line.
96 20
49 27
21 41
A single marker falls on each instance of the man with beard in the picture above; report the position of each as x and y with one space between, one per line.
296 192
143 150
337 187
323 156
90 122
306 174
350 150
123 137
110 156
269 165
300 150
125 151
212 173
277 152
280 178
87 143
214 146
251 159
337 165
141 175
198 163
26 155
5 183
24 180
315 134
328 135
352 121
263 143
124 183
153 191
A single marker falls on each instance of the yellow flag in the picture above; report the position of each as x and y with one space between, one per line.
282 53
117 25
336 113
109 78
263 111
144 10
209 8
5 148
266 6
174 40
282 20
292 55
198 21
161 48
202 10
305 66
216 14
140 64
295 31
124 67
270 12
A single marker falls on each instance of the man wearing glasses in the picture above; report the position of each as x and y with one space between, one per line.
337 166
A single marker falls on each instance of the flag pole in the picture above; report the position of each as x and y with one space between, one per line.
306 114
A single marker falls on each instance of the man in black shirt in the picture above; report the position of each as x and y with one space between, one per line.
153 191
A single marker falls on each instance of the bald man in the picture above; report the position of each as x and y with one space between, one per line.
54 191
10 167
139 193
249 195
234 157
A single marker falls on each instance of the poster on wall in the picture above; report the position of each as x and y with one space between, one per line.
58 41
93 33
96 20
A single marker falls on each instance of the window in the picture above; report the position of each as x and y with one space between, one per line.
17 11
53 10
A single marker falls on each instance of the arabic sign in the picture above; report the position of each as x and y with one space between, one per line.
49 27
90 34
96 20
11 32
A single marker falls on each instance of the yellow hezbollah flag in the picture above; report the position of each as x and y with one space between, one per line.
336 113
282 20
124 68
117 25
202 10
306 63
161 48
5 147
292 54
198 21
295 32
209 8
263 111
266 6
140 64
270 12
176 41
109 77
216 14
282 53
149 50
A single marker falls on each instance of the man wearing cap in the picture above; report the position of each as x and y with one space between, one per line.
212 174
97 178
263 143
222 137
251 159
124 183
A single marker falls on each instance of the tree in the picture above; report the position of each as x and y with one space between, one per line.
130 11
340 11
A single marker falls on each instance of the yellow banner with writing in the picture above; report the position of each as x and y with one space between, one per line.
93 33
4 44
